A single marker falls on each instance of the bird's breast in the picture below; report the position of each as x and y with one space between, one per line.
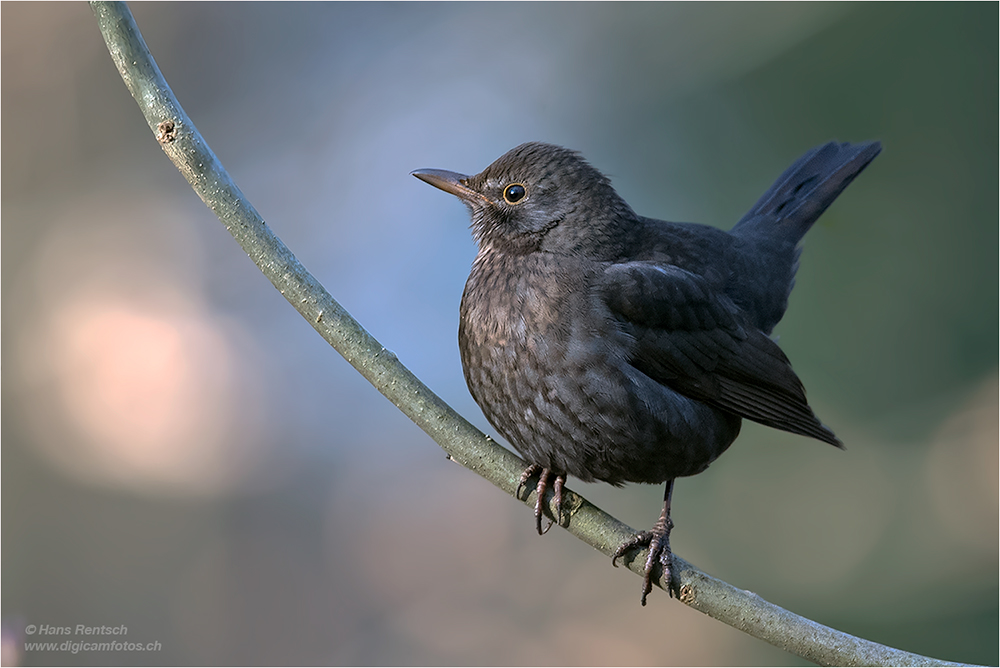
519 305
531 360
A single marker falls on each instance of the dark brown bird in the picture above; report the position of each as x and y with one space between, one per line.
610 346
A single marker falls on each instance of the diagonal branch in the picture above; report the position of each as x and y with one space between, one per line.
464 443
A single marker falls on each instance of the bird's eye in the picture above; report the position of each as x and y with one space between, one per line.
514 193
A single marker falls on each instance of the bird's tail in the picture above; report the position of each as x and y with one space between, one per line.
793 203
773 227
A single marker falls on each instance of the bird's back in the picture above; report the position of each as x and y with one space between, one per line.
754 263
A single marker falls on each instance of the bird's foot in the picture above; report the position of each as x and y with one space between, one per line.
545 476
658 540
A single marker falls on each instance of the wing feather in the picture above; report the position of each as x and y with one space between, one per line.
694 340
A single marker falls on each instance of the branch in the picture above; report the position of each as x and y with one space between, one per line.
464 443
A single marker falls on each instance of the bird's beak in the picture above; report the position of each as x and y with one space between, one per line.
450 182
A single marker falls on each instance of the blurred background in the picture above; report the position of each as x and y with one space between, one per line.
184 456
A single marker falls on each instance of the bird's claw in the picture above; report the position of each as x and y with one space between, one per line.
658 541
544 477
659 551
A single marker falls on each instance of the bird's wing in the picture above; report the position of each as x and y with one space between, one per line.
694 340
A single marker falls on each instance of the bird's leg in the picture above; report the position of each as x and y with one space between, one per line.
658 540
544 476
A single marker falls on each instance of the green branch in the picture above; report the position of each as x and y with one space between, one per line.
464 444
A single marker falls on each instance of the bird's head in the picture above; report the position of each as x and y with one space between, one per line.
536 197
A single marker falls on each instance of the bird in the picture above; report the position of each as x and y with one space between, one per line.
610 346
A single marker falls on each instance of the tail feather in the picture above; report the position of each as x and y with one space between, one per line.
772 229
805 190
